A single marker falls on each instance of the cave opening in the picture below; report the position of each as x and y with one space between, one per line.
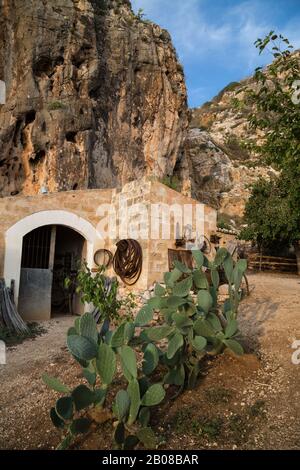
71 136
17 132
37 157
42 66
30 117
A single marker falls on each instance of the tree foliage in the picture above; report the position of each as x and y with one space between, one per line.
273 211
271 222
101 292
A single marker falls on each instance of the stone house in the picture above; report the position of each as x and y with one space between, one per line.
41 234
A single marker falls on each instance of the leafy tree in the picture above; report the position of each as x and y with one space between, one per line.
271 223
276 105
273 211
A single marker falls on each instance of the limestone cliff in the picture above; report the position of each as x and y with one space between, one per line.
95 96
216 177
223 169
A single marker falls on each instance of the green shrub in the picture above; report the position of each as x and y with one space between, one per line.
102 292
235 148
237 104
172 182
230 87
101 5
193 324
54 105
140 14
223 224
207 104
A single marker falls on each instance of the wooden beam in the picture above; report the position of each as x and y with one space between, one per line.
272 263
52 247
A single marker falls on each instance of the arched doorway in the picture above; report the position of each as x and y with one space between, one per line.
50 254
15 234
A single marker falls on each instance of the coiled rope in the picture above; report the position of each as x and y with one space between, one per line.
128 261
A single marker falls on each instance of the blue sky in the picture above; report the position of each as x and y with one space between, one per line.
214 38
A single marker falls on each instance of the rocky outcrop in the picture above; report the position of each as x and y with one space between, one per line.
225 114
216 178
222 170
210 168
95 96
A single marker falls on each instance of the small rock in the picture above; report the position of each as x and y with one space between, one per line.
223 289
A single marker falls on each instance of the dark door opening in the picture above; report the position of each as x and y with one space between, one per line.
68 255
50 254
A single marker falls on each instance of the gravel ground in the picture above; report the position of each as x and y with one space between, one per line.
271 318
24 399
269 321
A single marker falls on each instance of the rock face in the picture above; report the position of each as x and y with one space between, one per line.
95 96
210 168
218 179
221 169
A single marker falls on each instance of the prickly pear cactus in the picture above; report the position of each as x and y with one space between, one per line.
193 324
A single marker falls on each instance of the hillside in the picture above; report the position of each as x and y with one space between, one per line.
223 167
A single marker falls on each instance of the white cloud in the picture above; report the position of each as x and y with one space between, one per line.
191 32
228 39
211 40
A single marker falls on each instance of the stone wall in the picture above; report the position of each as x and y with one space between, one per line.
135 204
81 203
158 249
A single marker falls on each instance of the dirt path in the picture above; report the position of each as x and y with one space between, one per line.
247 403
271 317
24 400
243 403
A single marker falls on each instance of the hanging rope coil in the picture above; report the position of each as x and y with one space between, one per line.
128 261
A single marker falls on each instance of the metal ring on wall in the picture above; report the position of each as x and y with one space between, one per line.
103 257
